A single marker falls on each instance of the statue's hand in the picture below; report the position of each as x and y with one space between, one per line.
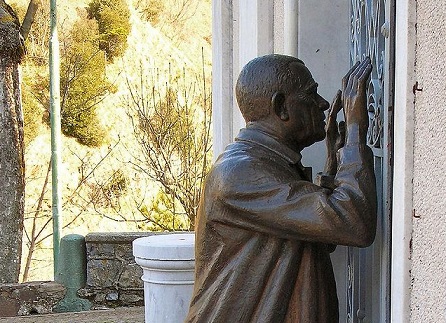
354 100
335 134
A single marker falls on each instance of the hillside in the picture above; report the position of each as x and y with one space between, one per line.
104 188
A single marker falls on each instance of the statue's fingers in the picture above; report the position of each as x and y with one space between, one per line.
336 104
352 81
347 76
342 133
360 68
332 108
329 126
362 81
341 127
353 77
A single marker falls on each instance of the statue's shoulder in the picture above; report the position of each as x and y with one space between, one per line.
238 156
244 161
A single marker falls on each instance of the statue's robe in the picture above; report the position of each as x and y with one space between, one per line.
265 233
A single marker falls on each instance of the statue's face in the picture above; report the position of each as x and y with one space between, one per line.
306 124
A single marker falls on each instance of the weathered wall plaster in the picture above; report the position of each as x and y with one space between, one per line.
428 296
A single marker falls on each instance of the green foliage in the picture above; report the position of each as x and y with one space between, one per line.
162 215
83 84
151 10
113 17
117 184
32 109
174 12
83 81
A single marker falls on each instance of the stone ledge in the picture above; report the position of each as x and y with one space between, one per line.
117 237
29 298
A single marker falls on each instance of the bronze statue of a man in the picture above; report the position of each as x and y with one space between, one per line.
265 231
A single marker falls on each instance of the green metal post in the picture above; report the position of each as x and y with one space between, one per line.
55 133
72 273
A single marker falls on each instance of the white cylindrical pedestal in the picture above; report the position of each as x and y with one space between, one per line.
168 265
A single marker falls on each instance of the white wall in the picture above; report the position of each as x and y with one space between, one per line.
323 34
428 297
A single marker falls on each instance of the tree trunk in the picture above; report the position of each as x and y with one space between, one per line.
29 18
12 167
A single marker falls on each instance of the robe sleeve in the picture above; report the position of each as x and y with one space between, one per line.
263 197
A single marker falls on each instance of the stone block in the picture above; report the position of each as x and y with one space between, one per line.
103 273
103 250
114 296
124 251
115 237
131 277
134 299
29 298
9 307
100 298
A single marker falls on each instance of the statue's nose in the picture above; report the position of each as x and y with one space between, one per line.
323 104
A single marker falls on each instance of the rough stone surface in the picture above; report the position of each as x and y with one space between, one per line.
428 276
113 277
131 277
103 272
29 298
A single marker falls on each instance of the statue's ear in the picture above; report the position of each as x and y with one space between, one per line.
278 104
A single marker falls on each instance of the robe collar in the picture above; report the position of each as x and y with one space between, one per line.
267 141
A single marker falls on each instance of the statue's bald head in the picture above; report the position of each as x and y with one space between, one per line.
261 78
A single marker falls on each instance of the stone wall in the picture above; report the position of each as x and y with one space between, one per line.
29 298
113 277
